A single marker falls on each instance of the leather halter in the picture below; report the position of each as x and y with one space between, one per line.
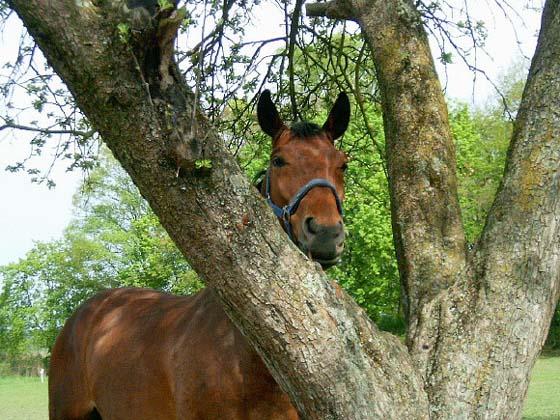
285 213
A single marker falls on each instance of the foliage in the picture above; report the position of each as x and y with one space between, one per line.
114 241
553 340
123 30
112 213
481 140
368 269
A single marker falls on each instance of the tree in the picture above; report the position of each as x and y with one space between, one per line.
114 240
476 319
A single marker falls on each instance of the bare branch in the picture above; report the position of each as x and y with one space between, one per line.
83 134
293 33
332 9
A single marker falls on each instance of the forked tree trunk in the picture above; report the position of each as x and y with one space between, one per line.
319 344
477 322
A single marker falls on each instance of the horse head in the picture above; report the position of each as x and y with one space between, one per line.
304 182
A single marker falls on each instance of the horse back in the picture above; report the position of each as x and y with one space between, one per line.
138 353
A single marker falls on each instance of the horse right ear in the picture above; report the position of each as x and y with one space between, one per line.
339 117
268 116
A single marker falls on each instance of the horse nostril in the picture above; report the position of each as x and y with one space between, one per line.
339 231
311 226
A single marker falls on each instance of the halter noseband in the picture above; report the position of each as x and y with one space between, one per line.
285 213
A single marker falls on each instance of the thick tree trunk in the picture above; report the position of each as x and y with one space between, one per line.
477 323
318 343
492 323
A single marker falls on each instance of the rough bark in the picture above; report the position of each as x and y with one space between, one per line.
427 228
491 325
318 343
477 323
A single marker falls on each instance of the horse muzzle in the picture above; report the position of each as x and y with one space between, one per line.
323 243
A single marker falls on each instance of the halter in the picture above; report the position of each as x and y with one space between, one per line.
285 213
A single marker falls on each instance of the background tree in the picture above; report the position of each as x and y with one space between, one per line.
114 241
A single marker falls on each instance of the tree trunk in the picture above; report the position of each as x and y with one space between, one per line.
319 345
476 322
493 322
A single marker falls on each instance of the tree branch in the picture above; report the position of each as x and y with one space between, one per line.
291 49
334 9
83 134
427 227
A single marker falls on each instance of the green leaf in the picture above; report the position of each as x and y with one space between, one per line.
123 30
203 164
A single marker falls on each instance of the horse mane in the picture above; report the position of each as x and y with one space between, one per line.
305 129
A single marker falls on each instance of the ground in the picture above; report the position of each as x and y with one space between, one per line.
26 398
543 399
23 399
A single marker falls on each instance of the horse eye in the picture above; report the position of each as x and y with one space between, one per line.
278 162
344 167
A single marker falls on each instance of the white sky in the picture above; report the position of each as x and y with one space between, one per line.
30 212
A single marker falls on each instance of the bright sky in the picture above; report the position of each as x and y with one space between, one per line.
30 212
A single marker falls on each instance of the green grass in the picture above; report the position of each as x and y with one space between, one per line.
543 398
26 398
23 398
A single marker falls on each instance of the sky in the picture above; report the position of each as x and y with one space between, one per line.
31 212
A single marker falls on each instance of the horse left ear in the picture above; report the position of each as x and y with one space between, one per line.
339 117
268 116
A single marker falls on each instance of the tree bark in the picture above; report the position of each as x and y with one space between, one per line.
319 345
477 322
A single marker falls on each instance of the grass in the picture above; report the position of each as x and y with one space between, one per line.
26 398
23 398
543 397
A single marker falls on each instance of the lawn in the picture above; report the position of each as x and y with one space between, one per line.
26 398
23 398
543 399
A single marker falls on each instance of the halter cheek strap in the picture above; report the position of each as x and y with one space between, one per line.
285 213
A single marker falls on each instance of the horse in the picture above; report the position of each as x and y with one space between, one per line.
134 353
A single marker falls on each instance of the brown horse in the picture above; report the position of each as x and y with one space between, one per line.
141 354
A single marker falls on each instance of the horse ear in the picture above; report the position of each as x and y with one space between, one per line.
339 117
268 116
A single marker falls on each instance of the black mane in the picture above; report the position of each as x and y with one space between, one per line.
305 129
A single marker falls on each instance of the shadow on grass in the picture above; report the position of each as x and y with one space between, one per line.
548 353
